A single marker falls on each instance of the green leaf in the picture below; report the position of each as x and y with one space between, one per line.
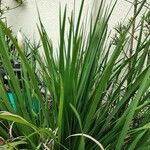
15 118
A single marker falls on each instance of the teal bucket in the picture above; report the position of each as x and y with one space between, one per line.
12 101
35 102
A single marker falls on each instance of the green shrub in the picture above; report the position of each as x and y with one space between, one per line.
91 99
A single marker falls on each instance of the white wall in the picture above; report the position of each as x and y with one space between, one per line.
25 17
122 11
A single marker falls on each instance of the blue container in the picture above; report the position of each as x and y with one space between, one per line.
12 101
35 102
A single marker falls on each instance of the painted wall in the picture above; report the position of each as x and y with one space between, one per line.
25 17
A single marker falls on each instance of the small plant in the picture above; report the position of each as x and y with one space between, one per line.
87 95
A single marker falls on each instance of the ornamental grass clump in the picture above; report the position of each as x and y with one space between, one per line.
86 101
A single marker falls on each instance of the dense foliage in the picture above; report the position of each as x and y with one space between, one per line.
90 95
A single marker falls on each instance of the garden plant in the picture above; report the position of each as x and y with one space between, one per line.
95 95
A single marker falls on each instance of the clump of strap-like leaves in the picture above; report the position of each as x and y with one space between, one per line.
91 99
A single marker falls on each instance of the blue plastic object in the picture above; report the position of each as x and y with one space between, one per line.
35 102
12 101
